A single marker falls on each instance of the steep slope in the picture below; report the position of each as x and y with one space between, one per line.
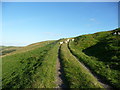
100 52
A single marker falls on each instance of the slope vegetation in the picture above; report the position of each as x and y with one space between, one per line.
82 63
9 50
21 70
76 75
101 53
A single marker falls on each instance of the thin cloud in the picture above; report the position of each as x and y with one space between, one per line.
92 22
92 19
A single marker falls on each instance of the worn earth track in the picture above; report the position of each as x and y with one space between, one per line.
98 78
60 73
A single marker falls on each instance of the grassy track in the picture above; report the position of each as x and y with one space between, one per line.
46 76
36 66
76 75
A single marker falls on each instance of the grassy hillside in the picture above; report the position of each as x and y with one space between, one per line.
34 66
20 69
13 50
8 49
47 70
101 53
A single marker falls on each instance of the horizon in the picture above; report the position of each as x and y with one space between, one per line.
51 40
25 23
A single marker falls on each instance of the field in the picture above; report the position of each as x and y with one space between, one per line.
90 61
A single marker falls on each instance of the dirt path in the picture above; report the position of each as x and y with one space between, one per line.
60 74
99 79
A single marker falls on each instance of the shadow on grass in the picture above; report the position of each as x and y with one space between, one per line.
62 76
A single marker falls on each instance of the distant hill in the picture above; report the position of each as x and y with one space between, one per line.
8 49
88 61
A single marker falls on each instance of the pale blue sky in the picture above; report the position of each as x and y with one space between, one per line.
30 22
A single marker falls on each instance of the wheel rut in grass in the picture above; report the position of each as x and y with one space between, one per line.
60 73
98 78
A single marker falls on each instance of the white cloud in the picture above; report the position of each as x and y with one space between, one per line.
92 22
92 19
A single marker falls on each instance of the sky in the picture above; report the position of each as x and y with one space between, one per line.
24 23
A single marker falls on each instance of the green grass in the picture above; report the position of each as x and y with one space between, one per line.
35 45
19 69
100 52
34 66
76 75
10 50
46 77
7 49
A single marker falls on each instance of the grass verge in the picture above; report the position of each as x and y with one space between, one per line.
46 76
76 75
